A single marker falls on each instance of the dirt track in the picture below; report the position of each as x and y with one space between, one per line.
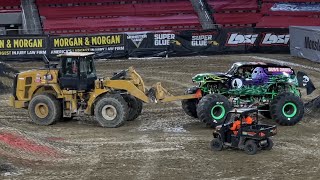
163 143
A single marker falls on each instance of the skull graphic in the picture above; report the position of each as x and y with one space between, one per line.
259 75
305 80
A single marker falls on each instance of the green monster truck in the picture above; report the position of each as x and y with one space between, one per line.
272 88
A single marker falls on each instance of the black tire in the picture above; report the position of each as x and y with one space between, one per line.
135 107
269 144
190 105
251 147
44 109
116 106
266 112
66 119
287 109
212 109
216 144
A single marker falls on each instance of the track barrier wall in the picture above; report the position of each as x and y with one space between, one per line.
149 44
305 42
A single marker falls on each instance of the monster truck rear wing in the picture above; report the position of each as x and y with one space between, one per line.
305 81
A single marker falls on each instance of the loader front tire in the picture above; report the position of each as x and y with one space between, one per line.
44 109
111 111
135 106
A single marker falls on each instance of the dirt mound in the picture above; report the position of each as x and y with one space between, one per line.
7 74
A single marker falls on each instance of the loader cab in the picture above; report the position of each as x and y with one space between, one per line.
77 71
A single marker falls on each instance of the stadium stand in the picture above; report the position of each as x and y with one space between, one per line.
263 13
92 16
10 17
9 6
275 16
235 13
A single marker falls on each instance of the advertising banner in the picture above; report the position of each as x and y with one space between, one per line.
150 44
110 44
23 46
305 42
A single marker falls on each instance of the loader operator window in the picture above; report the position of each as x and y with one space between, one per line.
71 67
87 67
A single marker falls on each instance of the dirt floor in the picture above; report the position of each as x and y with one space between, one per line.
163 143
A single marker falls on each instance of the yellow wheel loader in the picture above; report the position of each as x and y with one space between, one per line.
73 89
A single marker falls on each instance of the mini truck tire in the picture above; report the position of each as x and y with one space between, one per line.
111 111
135 106
216 144
190 105
44 109
213 108
251 147
287 109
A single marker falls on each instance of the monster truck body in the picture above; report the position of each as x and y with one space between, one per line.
247 84
250 83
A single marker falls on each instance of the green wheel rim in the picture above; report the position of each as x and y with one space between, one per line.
289 109
218 112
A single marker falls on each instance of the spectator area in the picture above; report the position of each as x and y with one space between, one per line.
235 12
254 13
10 6
92 16
275 17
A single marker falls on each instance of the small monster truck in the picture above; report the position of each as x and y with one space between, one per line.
272 88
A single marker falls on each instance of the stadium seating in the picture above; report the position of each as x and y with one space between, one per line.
118 17
239 13
120 24
273 18
116 10
235 13
7 6
233 5
285 21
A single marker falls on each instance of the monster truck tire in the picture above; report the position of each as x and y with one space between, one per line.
111 111
134 105
190 105
265 114
212 109
287 109
44 109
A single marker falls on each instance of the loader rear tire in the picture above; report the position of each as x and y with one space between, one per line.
44 109
111 111
135 106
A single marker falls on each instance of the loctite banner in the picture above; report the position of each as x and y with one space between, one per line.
150 44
